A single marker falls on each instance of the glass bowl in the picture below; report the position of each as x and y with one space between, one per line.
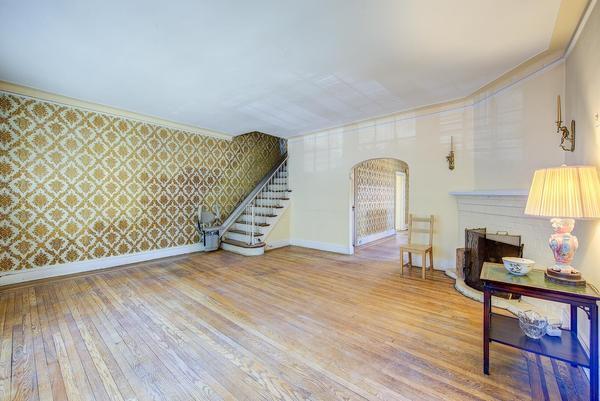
533 324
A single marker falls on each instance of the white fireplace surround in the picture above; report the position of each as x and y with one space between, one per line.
503 211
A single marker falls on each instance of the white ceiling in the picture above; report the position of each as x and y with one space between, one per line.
278 66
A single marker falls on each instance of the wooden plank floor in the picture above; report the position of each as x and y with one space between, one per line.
293 324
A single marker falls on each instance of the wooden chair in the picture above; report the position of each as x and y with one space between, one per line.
421 249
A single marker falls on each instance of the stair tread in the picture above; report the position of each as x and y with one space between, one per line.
255 223
242 244
260 215
244 232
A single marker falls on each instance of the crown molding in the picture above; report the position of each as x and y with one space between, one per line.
580 27
37 94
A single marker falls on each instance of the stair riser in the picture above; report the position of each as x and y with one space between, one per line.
266 220
271 202
274 195
276 187
243 251
263 210
280 181
248 227
241 237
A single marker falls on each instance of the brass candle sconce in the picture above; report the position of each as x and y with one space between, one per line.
450 157
566 136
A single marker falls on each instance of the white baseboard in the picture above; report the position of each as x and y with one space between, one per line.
277 244
323 246
443 264
21 276
375 237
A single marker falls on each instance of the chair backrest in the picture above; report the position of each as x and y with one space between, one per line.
420 225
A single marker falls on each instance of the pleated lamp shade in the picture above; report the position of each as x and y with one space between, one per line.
566 191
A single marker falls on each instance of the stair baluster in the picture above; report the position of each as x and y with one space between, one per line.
271 202
287 177
279 197
252 226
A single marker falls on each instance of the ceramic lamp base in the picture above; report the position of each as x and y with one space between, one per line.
569 278
563 245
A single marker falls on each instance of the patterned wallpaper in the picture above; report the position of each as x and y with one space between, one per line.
77 184
374 193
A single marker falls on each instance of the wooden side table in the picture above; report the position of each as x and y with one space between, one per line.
505 330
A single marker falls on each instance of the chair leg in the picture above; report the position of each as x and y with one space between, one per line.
431 260
409 260
424 264
401 261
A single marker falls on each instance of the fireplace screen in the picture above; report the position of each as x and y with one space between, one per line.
481 247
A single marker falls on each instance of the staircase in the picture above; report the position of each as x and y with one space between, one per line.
244 232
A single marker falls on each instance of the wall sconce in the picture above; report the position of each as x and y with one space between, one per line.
566 136
450 157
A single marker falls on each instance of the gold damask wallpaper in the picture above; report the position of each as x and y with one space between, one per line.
77 184
375 196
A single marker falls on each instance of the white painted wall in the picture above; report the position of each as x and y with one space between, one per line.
499 141
280 234
582 103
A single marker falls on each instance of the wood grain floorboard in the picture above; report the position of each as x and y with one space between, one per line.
293 324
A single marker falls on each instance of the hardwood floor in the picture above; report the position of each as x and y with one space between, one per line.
292 324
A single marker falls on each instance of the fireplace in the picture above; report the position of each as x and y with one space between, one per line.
503 211
500 211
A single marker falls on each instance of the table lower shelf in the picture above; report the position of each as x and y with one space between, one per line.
505 330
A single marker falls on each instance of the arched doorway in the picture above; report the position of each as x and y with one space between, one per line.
379 199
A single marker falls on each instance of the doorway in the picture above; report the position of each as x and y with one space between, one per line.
379 199
401 209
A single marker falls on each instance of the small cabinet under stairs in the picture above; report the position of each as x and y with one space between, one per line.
252 221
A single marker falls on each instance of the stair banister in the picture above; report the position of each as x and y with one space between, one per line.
251 197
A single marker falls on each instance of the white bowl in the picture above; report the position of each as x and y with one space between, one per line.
518 266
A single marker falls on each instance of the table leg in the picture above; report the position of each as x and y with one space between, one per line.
487 309
574 324
594 352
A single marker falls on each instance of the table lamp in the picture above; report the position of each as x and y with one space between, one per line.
564 193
